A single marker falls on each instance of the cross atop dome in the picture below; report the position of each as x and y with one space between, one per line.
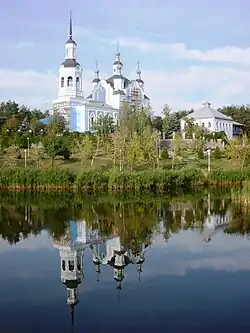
70 40
206 104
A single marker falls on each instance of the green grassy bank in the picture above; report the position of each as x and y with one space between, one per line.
161 181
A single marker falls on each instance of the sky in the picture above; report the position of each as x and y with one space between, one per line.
189 50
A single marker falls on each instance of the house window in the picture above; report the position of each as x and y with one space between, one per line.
209 124
62 82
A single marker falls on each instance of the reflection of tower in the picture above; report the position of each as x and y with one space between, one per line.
214 223
71 247
138 257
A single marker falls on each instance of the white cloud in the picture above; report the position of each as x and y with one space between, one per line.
23 44
182 88
231 54
32 243
35 89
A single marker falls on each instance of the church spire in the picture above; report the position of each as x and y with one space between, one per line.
70 39
96 80
97 72
138 72
117 65
70 24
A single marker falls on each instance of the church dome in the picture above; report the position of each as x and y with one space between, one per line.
71 41
70 63
96 80
71 284
118 62
140 81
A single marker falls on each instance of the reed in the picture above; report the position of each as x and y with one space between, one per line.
147 181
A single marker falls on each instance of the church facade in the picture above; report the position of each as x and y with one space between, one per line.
106 97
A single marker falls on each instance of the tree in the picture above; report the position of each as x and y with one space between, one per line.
239 113
86 145
134 151
52 145
171 122
178 149
150 144
166 110
239 149
116 147
156 123
104 125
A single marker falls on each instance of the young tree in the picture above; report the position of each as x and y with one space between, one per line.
104 125
178 149
134 151
52 146
150 143
86 145
239 149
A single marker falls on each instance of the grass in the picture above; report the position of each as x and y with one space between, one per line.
102 161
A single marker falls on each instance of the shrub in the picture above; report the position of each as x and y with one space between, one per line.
33 177
92 179
164 154
217 153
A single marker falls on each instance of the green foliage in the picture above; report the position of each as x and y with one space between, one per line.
104 125
53 146
92 179
200 153
35 178
217 153
159 181
171 122
164 154
239 149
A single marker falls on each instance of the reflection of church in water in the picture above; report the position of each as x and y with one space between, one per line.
109 251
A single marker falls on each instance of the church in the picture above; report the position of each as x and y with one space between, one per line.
106 97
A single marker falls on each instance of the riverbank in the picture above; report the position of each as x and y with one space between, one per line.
160 181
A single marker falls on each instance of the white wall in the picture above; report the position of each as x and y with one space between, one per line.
214 125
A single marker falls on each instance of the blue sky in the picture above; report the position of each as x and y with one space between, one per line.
190 50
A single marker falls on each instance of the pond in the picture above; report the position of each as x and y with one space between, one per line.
74 263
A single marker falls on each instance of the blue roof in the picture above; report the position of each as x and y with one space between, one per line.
51 119
47 120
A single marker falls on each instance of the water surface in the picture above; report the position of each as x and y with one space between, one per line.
80 264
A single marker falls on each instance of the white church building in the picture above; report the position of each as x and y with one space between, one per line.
106 97
213 121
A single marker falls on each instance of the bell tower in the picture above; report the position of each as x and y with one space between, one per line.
70 71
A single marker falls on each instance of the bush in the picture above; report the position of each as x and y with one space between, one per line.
92 179
217 153
164 154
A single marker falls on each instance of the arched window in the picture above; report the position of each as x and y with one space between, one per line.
63 265
92 121
70 81
77 83
79 263
71 265
62 82
209 124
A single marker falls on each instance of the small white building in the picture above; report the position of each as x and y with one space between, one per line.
213 121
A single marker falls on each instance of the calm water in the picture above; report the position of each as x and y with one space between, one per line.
79 264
